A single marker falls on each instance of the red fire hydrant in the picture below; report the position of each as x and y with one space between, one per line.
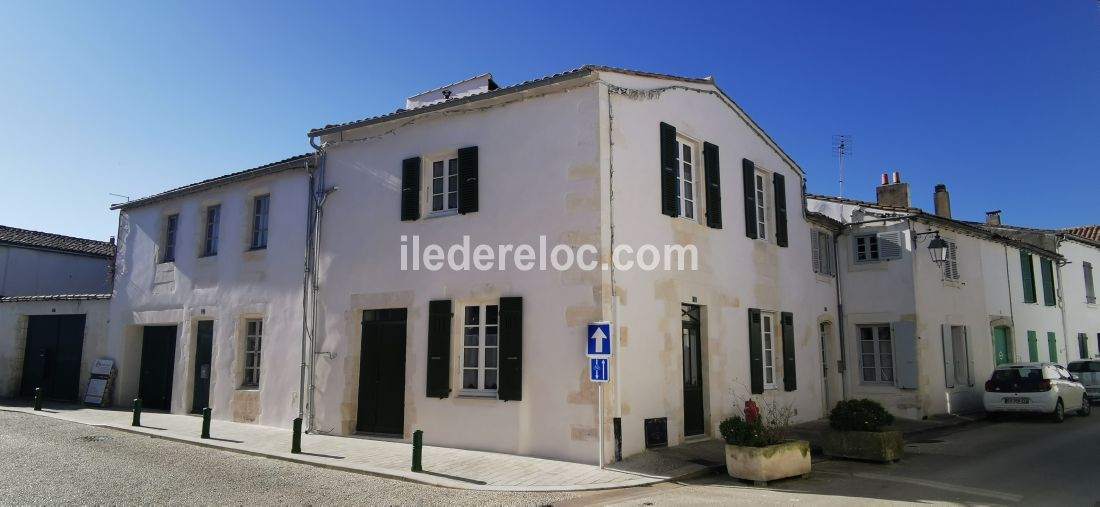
752 412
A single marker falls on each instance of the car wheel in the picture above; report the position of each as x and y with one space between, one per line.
1059 413
1086 408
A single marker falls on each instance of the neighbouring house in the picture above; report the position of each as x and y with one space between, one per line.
490 359
54 293
921 337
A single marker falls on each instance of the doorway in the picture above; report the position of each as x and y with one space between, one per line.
204 344
158 360
693 371
55 344
1001 352
382 373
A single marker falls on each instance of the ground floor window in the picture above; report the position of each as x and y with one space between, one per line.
876 353
479 349
254 329
767 339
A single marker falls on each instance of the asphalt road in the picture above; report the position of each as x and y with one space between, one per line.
48 461
1022 461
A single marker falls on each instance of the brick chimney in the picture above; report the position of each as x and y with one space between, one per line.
893 194
943 201
993 217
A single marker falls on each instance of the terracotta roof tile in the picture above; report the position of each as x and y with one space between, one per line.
44 240
1089 232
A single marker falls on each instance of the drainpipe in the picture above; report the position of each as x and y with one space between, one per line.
1011 304
318 195
1061 300
307 272
840 321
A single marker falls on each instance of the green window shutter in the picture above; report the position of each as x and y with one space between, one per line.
1027 273
467 180
1048 281
670 190
410 189
714 186
1032 347
439 349
790 366
748 173
511 349
1083 345
779 182
947 341
1052 345
756 353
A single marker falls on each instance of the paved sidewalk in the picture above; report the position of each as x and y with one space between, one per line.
454 468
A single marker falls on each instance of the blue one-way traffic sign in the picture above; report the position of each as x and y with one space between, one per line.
599 339
599 369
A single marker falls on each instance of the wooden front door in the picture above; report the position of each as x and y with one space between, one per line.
382 373
204 344
693 371
51 361
1001 354
158 360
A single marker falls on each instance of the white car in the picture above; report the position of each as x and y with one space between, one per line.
1042 388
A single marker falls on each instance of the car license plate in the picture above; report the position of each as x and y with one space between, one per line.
1016 401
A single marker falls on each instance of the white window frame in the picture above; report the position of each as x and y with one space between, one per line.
211 221
689 206
171 235
951 262
875 248
449 163
253 351
768 348
482 352
261 210
760 189
877 346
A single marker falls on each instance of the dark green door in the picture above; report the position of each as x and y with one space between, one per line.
51 360
693 375
382 373
204 343
1000 345
158 359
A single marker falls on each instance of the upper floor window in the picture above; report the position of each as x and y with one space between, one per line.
1027 275
687 177
761 191
253 333
260 206
210 230
170 227
823 254
867 248
951 262
876 353
767 345
877 247
444 185
1090 291
479 349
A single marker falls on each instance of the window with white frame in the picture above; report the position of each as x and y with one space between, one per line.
444 187
761 189
767 345
479 349
260 207
867 248
876 353
170 227
823 253
951 262
253 336
210 230
687 177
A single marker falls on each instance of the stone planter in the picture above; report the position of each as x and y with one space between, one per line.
763 464
881 446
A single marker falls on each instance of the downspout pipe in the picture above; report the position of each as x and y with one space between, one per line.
307 272
318 195
1061 299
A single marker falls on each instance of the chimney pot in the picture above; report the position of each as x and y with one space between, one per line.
897 176
885 179
893 194
993 217
942 201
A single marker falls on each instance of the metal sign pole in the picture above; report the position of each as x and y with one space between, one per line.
601 424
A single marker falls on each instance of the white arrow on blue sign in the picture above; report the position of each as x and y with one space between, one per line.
600 369
599 339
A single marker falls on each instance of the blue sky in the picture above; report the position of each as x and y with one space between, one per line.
998 99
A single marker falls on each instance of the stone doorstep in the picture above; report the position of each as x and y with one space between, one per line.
430 478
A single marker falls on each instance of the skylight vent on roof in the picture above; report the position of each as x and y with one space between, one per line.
473 86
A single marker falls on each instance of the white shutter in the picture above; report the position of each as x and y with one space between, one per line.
815 248
830 259
948 356
969 356
905 355
889 245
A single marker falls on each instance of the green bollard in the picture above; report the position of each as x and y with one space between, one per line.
38 398
296 440
418 448
137 412
206 422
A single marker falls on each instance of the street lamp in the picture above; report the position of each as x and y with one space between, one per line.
937 248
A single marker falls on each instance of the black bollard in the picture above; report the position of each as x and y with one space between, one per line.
137 412
206 422
38 398
418 448
296 440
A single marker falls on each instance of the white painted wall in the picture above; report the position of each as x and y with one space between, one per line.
1034 316
229 287
34 272
1081 317
13 337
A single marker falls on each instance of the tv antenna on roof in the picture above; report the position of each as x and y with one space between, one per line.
842 147
120 195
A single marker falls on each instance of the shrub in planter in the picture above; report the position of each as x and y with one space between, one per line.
858 432
756 447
